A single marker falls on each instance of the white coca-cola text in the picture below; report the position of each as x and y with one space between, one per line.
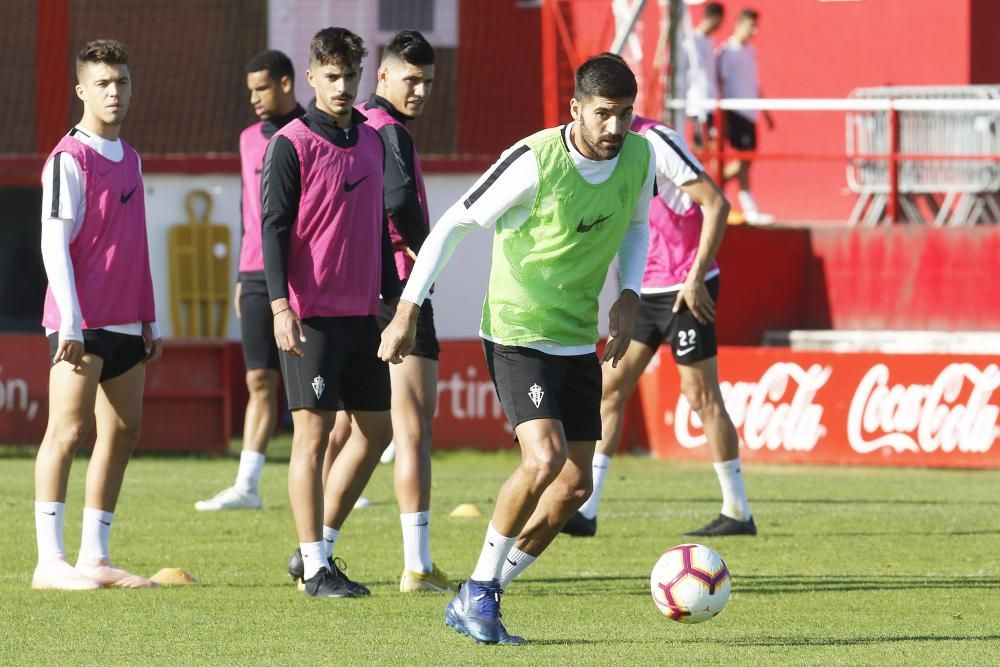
763 412
925 417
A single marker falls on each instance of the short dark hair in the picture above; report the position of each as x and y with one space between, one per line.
410 47
107 51
605 76
748 15
714 9
275 63
336 46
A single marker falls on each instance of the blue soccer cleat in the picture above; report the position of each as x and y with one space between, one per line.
475 611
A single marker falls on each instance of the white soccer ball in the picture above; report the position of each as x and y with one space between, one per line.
690 583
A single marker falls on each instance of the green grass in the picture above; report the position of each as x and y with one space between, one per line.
852 566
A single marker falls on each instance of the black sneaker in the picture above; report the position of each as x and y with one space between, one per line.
580 526
327 584
296 568
338 566
725 525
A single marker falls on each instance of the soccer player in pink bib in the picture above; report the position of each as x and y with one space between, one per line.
100 319
325 257
680 288
270 79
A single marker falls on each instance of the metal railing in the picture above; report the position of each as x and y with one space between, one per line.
903 146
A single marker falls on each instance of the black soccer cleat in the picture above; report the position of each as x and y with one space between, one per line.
723 525
327 584
580 526
338 566
296 570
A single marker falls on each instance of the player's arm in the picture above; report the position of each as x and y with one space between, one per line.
402 193
676 164
280 190
631 265
63 205
391 285
512 181
152 338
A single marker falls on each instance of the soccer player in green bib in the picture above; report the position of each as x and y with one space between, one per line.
562 203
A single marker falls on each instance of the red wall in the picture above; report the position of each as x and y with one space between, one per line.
825 49
887 278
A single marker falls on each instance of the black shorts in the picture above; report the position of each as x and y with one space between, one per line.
340 370
119 351
426 345
257 323
741 131
535 385
690 340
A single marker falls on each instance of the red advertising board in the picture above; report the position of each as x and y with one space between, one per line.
185 405
837 408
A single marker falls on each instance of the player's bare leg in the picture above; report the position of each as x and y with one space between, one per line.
349 473
414 401
617 386
305 481
338 438
72 394
259 422
558 503
544 451
700 386
354 464
118 412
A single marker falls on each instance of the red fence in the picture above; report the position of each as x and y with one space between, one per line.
186 403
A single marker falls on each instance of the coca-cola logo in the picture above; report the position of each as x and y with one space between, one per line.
776 412
925 417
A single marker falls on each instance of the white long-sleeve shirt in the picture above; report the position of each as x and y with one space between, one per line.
64 205
510 188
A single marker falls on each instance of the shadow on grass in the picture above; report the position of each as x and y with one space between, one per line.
760 584
854 641
759 501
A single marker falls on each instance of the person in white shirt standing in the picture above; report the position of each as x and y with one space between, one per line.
702 74
100 318
739 79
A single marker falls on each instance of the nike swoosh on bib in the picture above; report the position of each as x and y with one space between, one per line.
126 197
348 186
584 228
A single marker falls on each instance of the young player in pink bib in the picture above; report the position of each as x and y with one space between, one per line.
100 318
325 256
270 79
679 290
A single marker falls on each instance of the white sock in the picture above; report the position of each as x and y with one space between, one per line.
417 541
330 536
600 468
96 539
734 495
514 564
248 475
312 559
49 530
747 202
491 559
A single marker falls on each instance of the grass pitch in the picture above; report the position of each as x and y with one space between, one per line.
852 566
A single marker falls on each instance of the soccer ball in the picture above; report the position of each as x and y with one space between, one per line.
690 583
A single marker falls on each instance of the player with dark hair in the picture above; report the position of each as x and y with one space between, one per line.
405 77
325 256
270 79
100 319
563 202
